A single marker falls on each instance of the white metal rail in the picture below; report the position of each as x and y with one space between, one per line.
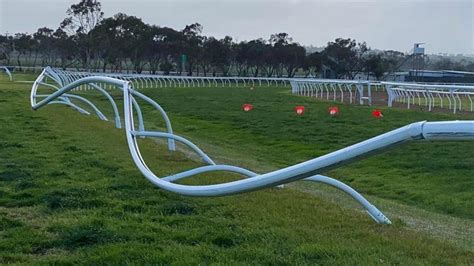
7 71
335 90
456 97
310 170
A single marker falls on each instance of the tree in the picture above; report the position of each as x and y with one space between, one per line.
156 47
105 40
281 39
134 35
122 37
6 48
170 47
284 55
82 18
44 44
253 53
292 57
313 64
345 57
394 59
23 44
64 47
376 65
191 45
218 55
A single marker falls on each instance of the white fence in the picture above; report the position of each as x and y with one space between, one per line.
455 97
311 170
141 81
335 90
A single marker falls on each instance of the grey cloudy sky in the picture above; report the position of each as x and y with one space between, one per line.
445 26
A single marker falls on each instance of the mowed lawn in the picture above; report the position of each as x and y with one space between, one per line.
70 193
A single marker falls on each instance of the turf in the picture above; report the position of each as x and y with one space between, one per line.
69 192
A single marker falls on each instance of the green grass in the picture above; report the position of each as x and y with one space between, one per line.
69 192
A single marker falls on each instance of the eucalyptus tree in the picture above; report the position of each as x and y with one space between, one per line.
165 47
282 55
6 48
191 46
23 45
218 55
252 55
241 61
394 59
376 65
105 40
313 64
135 37
345 57
276 53
81 19
292 57
155 48
44 45
122 38
64 47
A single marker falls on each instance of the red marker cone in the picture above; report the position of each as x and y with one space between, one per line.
377 113
247 107
299 109
333 110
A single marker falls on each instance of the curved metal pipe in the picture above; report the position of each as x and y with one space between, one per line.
118 123
65 97
452 130
177 138
373 212
97 111
71 86
8 72
171 144
295 172
82 111
207 169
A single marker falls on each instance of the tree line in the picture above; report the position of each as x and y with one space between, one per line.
87 40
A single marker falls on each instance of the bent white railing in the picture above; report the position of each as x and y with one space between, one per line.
309 170
141 81
7 71
328 89
454 96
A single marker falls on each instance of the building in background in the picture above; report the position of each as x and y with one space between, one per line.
442 76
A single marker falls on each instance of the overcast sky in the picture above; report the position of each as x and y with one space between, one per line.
445 26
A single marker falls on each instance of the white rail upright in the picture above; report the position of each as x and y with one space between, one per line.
456 97
351 91
310 170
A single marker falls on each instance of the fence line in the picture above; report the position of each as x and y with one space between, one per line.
334 89
453 96
456 97
63 91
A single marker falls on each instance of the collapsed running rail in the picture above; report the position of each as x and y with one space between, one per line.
7 71
309 170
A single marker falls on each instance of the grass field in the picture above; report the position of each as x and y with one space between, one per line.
69 192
